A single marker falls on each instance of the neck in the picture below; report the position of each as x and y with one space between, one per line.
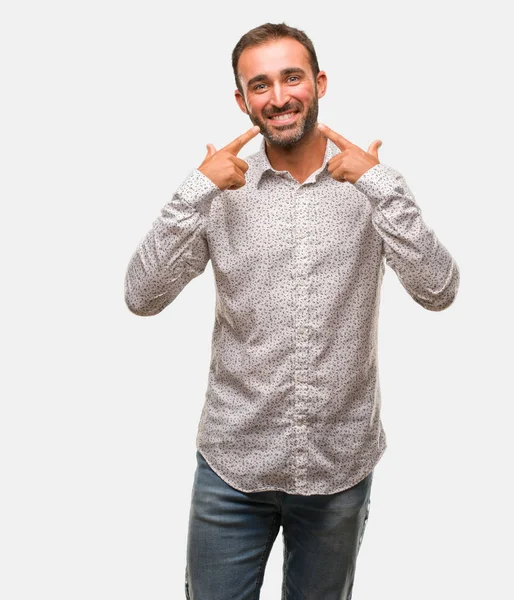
300 159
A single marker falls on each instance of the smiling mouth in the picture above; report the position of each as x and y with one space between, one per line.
284 117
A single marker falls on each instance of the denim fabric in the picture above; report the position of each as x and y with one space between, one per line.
231 534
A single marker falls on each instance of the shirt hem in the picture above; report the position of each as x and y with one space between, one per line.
229 481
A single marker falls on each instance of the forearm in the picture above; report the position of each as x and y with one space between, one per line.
424 266
174 250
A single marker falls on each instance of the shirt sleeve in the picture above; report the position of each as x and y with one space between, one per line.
174 251
423 265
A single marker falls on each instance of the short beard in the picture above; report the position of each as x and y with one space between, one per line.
299 130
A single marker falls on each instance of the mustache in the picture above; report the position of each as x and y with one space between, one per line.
285 109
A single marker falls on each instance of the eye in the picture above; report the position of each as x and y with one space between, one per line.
258 86
294 77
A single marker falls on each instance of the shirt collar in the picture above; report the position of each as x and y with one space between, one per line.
262 164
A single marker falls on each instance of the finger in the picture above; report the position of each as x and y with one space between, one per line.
335 169
238 180
341 142
239 175
373 148
235 146
240 163
333 163
338 173
211 150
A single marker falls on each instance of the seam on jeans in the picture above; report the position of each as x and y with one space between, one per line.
366 517
267 549
284 569
187 586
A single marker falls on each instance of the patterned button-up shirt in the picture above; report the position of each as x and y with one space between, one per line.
293 396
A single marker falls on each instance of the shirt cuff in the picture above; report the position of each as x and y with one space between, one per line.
198 190
379 182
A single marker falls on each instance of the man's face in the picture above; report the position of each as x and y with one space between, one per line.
277 79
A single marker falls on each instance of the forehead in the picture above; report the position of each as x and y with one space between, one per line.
270 58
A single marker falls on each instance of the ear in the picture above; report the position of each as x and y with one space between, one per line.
240 101
321 82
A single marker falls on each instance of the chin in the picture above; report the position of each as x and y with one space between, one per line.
284 140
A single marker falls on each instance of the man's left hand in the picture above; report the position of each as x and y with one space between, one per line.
352 161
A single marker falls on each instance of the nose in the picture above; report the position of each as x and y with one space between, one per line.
279 97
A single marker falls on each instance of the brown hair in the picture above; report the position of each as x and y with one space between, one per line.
267 33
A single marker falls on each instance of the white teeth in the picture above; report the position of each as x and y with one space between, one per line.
283 117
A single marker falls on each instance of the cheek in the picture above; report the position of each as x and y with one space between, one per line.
258 107
252 108
306 95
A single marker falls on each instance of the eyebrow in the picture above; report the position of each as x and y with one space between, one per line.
288 71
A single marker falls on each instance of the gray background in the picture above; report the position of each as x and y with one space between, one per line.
106 107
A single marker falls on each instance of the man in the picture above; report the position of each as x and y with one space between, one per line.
298 234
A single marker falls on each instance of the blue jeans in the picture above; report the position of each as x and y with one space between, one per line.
231 534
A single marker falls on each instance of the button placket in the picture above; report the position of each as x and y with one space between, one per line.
302 285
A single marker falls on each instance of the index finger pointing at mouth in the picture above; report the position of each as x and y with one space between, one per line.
235 146
341 142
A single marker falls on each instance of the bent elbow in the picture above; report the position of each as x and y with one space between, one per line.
142 307
436 304
138 309
441 300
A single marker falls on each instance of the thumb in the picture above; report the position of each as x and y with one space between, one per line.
373 148
211 150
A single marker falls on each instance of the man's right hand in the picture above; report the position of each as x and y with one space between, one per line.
223 167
